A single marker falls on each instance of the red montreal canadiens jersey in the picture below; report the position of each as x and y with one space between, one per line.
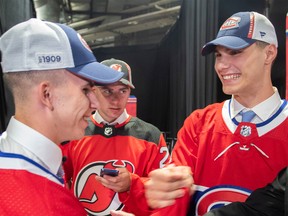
26 193
135 144
230 159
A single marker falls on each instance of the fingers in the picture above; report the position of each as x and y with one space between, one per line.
120 213
167 184
120 183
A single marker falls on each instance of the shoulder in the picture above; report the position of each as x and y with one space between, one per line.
209 112
143 130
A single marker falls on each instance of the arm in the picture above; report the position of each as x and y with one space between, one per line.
159 157
167 185
268 201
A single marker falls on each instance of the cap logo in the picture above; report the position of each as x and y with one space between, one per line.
117 67
230 23
84 43
262 34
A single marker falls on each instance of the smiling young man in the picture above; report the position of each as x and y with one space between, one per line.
50 70
117 140
228 155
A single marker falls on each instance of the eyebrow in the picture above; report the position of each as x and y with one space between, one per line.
110 88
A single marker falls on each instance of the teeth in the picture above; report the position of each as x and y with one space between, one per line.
233 76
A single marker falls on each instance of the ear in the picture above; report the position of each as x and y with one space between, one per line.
45 94
271 53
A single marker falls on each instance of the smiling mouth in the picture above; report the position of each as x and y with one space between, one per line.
231 77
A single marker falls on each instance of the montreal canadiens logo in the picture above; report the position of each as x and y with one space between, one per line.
230 23
215 197
84 43
97 199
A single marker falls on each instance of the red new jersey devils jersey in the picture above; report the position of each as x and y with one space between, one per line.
136 145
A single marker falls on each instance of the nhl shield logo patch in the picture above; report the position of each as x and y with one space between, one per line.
245 130
108 130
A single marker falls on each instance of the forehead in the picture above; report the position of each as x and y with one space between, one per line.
117 85
220 48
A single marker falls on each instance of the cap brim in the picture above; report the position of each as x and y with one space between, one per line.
97 72
126 82
230 42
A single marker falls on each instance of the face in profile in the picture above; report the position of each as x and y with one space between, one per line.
74 103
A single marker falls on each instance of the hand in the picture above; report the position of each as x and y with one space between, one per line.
120 213
167 184
120 183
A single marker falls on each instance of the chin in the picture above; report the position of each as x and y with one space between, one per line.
228 91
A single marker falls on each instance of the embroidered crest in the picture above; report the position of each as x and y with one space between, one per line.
108 130
231 23
245 130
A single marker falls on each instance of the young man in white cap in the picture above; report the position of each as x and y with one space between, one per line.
115 140
228 155
50 71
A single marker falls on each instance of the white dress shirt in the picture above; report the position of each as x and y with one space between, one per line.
263 110
23 140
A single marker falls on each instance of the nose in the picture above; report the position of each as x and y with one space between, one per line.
115 97
221 63
94 103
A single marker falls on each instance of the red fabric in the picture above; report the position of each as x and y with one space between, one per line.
227 162
24 193
138 146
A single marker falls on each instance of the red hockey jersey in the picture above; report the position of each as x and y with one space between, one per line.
27 190
230 159
135 144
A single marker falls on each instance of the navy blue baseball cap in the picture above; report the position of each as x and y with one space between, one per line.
242 30
43 45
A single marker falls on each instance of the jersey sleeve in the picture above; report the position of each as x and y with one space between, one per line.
159 158
185 151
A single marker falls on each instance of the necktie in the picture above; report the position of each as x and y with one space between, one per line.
60 172
247 116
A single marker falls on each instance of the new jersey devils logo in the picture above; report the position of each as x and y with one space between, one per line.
117 67
97 199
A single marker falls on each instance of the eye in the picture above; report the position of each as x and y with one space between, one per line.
123 91
86 90
106 92
235 52
217 54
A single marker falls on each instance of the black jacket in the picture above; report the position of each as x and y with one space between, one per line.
271 200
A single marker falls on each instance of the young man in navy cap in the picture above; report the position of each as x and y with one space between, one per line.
50 70
228 155
118 141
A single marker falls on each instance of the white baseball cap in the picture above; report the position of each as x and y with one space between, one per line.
43 45
242 30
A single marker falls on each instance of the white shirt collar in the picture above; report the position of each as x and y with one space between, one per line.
263 110
45 151
122 118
